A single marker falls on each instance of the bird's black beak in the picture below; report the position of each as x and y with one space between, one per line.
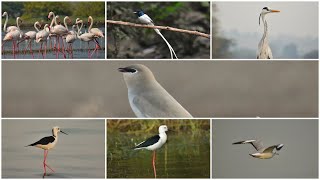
63 132
135 12
126 69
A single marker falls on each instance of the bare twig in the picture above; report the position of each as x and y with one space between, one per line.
159 27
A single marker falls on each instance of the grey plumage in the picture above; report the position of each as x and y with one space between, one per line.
147 98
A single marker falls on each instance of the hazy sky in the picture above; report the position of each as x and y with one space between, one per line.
295 18
298 158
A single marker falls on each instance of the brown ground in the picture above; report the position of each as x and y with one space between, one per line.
205 89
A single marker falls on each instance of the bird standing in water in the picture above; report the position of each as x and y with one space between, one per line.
153 143
46 144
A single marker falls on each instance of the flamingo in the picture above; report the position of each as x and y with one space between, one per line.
87 37
70 38
95 31
13 35
41 37
29 37
59 30
10 28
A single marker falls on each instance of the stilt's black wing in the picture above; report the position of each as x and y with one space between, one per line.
44 141
150 141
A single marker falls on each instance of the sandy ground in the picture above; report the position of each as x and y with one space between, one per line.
204 88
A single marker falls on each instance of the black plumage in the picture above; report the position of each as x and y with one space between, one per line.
43 141
150 141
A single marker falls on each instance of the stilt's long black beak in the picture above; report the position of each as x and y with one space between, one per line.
63 132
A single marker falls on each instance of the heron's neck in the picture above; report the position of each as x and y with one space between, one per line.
265 33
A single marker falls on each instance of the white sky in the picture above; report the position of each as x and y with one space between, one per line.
296 18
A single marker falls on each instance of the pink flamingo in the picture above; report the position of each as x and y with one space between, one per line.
59 30
70 38
13 35
29 37
41 37
87 37
10 28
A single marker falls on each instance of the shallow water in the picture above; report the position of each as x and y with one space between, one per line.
80 154
185 155
80 50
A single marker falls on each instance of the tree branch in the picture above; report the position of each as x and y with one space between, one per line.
159 27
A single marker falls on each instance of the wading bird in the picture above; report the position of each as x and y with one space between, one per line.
264 51
145 19
153 143
262 152
46 144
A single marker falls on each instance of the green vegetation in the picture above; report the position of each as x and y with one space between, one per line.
138 126
38 11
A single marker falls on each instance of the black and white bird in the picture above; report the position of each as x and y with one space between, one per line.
145 19
46 144
262 152
153 143
264 50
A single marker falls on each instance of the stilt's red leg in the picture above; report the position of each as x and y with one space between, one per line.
154 164
44 163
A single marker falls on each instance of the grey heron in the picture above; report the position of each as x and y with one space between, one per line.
264 51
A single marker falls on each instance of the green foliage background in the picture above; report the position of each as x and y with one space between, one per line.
38 11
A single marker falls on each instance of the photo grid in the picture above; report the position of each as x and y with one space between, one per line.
159 89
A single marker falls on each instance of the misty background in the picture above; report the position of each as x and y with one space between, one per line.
293 33
297 159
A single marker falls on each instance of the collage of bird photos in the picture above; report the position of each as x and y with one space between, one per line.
109 89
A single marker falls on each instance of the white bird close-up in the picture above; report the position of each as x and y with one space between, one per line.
147 98
145 19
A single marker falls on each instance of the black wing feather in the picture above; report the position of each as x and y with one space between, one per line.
44 141
150 141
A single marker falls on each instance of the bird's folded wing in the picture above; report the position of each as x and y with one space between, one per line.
159 105
150 141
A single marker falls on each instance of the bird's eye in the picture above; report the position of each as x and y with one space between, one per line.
131 70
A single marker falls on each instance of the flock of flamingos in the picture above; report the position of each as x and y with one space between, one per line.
54 32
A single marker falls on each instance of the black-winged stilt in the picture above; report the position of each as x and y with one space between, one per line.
153 143
48 143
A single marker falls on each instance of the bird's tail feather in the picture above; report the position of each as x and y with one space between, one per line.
168 44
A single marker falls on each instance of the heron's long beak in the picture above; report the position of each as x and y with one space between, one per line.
274 10
63 132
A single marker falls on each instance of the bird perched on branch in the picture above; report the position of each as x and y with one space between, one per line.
264 51
145 19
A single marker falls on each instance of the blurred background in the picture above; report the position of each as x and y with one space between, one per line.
80 154
293 33
126 42
30 12
186 153
206 89
297 159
